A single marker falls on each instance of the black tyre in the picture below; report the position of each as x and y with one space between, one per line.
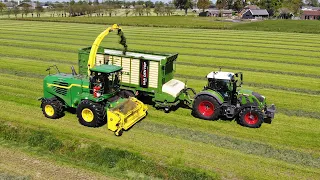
52 108
118 133
91 114
206 107
250 117
126 94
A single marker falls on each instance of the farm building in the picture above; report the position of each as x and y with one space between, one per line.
310 15
254 14
217 13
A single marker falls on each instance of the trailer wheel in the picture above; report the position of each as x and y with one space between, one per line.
206 107
251 117
91 114
52 108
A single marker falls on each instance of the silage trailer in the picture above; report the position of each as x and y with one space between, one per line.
144 74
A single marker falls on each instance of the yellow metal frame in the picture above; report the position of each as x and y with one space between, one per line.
96 44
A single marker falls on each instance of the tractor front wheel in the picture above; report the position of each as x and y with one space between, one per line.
52 108
206 107
251 117
91 114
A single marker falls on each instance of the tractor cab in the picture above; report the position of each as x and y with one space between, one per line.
223 82
104 80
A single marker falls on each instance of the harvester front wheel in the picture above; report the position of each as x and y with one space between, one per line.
251 117
91 114
206 107
52 108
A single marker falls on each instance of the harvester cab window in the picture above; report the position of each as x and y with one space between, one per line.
113 83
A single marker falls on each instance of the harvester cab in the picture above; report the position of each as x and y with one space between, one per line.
222 98
104 81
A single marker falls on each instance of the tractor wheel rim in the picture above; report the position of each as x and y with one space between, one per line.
251 118
87 115
49 110
206 108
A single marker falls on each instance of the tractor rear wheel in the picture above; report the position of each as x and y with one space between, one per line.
91 114
206 107
251 117
52 108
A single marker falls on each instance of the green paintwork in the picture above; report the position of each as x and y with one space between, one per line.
217 95
106 68
71 89
242 93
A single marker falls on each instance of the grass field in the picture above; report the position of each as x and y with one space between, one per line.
282 66
293 26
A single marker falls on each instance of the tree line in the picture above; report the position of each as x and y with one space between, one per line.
88 8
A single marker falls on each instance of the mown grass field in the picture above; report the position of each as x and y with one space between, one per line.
284 67
192 21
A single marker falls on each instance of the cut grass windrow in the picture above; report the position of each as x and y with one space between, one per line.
243 146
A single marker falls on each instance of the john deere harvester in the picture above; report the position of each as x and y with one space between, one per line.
95 96
221 99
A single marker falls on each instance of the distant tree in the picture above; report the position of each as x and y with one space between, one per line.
203 4
313 3
39 9
221 4
237 5
16 11
183 4
9 12
148 11
127 12
2 7
149 4
139 9
25 9
158 7
293 5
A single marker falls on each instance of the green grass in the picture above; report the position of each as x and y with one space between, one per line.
152 21
275 66
291 26
294 26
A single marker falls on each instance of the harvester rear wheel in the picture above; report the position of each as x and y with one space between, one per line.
52 108
206 107
91 114
251 117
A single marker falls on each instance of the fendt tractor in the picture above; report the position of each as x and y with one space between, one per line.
152 75
95 96
221 99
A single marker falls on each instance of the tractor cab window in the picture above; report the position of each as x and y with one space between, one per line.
219 85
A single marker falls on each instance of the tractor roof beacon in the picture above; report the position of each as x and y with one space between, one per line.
222 98
94 95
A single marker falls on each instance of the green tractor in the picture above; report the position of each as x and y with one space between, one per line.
221 99
95 98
